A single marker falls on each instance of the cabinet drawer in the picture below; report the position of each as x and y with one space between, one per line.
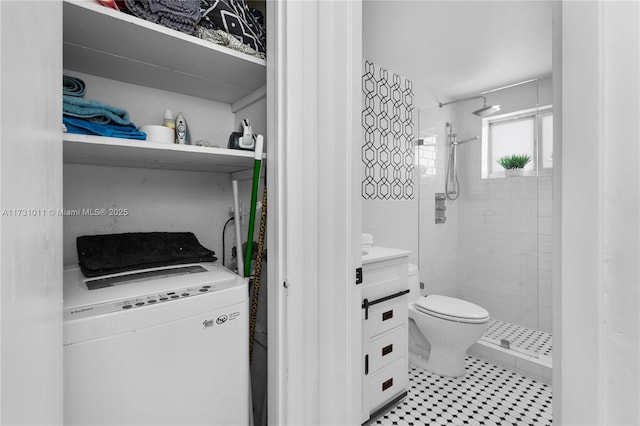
392 269
384 288
384 316
387 348
387 384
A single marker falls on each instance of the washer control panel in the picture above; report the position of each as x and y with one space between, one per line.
138 302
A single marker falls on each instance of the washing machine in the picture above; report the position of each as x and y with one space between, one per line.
162 346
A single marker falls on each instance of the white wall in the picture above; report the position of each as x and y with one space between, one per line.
30 245
315 122
599 367
156 200
393 223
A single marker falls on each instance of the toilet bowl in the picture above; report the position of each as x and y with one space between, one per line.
441 329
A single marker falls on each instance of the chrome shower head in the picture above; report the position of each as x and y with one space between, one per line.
486 110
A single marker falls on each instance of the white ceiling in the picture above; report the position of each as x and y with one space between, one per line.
454 49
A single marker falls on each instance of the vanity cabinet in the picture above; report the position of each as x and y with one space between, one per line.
384 321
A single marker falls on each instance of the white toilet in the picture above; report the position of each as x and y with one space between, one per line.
441 329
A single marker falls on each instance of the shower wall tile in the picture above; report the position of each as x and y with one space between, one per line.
506 248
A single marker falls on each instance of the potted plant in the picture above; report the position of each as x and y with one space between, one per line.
514 164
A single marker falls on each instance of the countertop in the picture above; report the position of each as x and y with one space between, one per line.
377 254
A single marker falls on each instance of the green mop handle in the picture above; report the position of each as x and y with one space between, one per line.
254 198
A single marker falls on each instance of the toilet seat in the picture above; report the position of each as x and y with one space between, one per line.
452 309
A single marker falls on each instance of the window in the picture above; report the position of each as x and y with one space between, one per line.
521 132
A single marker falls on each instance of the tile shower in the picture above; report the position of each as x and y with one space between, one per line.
495 247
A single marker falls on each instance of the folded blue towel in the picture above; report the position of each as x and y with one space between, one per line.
94 111
85 127
73 86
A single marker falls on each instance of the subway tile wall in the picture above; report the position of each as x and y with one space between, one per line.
504 236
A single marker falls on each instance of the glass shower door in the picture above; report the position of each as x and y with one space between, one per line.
493 248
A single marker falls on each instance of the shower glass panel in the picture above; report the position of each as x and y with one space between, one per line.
494 247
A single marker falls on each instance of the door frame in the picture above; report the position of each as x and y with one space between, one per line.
313 144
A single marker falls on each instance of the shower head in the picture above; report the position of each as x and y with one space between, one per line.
486 110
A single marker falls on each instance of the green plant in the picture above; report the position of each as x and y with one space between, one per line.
515 161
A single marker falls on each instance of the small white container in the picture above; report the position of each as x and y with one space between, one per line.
159 134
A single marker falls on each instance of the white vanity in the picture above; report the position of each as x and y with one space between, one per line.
384 293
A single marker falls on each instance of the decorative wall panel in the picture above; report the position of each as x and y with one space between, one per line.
387 120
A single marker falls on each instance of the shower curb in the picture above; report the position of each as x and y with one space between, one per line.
533 367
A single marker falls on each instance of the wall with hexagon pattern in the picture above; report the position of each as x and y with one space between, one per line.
387 121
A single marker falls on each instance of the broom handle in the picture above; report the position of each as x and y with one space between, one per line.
254 198
236 220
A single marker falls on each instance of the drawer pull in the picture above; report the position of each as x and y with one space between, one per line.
366 364
366 303
387 315
386 385
387 350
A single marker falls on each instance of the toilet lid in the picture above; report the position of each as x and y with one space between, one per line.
451 307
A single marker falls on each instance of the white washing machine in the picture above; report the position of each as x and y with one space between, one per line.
164 346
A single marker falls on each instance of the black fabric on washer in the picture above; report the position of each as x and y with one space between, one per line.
113 253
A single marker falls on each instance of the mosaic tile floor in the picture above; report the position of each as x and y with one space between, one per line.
486 395
522 339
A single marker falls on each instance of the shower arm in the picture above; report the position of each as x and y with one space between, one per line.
473 138
484 100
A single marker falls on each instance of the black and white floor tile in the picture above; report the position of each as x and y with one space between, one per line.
486 395
523 339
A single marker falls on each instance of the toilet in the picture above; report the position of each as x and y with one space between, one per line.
441 329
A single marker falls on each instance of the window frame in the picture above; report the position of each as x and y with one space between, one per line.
536 114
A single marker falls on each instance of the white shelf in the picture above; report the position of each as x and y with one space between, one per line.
102 151
111 44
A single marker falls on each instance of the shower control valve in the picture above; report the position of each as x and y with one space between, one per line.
440 208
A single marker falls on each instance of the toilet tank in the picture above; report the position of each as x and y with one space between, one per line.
414 282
